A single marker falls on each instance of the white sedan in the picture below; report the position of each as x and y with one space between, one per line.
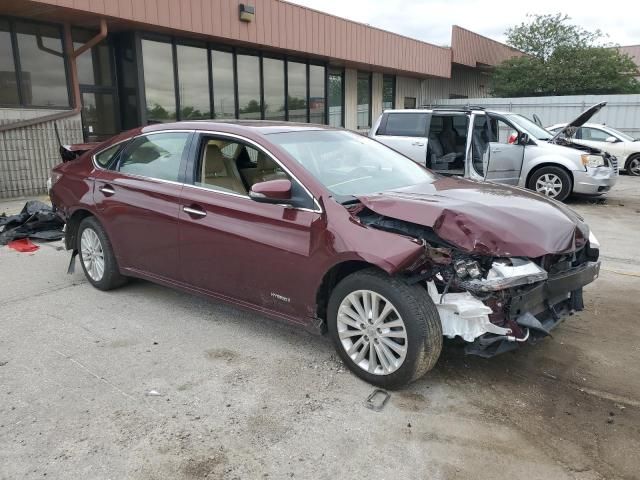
625 148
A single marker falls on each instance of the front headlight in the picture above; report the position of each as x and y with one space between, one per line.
592 161
593 241
507 273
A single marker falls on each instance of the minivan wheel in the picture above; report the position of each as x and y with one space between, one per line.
633 166
552 182
387 332
96 256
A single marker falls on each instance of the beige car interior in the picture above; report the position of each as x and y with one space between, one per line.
235 167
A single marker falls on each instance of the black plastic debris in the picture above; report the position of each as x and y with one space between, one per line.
37 220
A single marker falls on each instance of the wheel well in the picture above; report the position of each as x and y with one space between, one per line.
549 164
331 279
72 227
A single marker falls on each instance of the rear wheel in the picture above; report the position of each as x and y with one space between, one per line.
96 256
633 165
387 332
552 182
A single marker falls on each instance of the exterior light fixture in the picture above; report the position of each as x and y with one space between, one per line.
247 12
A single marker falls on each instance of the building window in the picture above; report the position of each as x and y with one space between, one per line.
273 81
297 91
159 84
316 94
94 65
388 92
249 106
43 72
336 98
409 102
364 100
8 80
224 98
193 82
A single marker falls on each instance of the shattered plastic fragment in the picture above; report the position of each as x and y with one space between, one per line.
23 245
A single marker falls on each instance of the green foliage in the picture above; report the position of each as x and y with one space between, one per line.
562 59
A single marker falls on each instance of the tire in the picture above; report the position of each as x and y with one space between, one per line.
542 180
415 309
96 240
633 165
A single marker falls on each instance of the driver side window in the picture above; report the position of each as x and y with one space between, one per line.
234 167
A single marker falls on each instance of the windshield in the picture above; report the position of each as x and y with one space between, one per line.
533 129
350 164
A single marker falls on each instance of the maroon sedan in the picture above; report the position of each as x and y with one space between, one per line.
329 230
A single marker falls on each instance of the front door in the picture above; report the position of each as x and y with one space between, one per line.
138 201
237 248
505 152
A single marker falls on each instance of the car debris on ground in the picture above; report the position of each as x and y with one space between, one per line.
36 221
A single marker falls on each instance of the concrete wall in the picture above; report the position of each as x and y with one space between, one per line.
622 111
27 154
464 81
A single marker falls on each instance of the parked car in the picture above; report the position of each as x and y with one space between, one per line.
624 147
502 147
329 230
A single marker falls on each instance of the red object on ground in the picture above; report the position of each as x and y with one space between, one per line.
23 245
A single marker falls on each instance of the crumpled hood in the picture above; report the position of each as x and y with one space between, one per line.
485 218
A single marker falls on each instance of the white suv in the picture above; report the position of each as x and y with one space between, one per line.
624 147
503 147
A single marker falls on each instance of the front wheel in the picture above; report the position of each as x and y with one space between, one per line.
387 332
633 166
552 182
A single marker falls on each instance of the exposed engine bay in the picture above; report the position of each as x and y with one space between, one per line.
493 302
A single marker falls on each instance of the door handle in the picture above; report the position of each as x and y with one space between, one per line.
496 150
418 144
107 190
194 212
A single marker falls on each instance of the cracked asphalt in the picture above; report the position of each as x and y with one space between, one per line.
149 383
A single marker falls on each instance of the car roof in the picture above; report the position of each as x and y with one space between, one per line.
264 127
453 109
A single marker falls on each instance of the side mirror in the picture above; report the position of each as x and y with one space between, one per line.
524 139
271 191
611 139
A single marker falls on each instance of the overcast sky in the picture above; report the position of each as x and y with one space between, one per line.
431 21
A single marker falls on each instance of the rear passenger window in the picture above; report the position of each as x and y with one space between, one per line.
105 157
407 124
155 156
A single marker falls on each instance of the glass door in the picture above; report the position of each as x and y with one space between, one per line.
99 120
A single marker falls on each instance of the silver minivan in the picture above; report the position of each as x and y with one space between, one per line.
503 147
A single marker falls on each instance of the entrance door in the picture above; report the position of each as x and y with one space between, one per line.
99 116
506 154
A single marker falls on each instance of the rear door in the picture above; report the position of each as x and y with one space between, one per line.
405 132
138 200
505 153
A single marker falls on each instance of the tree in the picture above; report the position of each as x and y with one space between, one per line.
562 59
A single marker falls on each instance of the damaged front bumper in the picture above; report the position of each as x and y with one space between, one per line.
538 309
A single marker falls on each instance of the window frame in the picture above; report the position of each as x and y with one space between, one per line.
194 165
18 67
370 80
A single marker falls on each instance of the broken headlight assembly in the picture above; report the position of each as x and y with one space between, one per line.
592 161
506 273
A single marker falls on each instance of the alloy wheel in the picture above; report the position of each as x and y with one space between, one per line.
92 254
372 332
549 184
634 166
